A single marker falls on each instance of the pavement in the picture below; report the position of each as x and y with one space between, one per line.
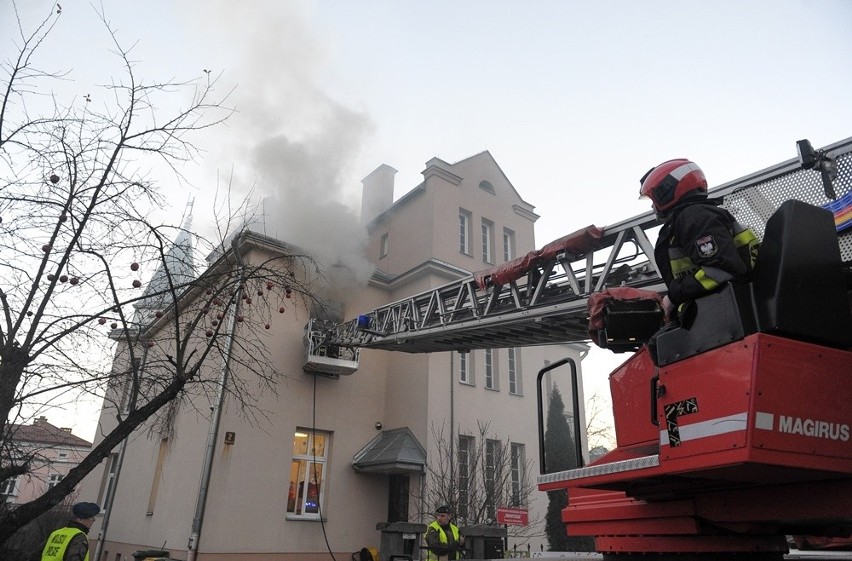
794 555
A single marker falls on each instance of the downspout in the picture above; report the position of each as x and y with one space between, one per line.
452 426
113 484
212 435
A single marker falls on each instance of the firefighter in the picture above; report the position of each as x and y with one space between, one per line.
442 537
701 246
70 543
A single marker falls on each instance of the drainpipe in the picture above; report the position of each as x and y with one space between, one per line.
452 426
212 435
113 484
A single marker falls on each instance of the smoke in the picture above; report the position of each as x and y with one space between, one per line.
292 143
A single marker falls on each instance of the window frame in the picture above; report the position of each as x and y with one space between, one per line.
384 245
490 369
508 244
9 488
53 480
465 369
108 477
492 476
465 219
517 461
487 241
513 366
464 469
311 459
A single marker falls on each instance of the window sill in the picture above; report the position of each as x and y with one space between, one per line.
305 518
466 383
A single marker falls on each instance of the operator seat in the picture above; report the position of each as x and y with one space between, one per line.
798 290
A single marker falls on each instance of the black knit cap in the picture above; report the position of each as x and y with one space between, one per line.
85 510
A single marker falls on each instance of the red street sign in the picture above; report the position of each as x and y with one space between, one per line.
512 516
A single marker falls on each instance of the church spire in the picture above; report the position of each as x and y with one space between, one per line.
178 263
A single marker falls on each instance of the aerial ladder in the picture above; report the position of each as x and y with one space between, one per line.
739 431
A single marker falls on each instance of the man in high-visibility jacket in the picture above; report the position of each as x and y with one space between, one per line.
71 542
442 537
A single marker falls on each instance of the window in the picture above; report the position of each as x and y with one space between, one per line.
9 488
514 378
487 186
383 245
492 477
487 251
109 476
517 467
127 387
490 382
465 452
54 480
508 244
464 231
307 473
464 368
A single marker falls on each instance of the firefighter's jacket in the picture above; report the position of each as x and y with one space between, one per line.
701 247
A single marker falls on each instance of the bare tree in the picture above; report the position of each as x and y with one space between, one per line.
76 238
599 429
477 474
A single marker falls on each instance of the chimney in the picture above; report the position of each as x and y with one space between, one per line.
377 194
66 429
40 420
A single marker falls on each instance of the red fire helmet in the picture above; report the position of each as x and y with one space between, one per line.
670 182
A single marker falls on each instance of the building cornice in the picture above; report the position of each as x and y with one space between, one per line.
437 167
525 212
430 267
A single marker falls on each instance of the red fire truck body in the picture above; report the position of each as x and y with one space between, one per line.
743 451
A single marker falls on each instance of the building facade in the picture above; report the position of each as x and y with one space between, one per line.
54 451
323 460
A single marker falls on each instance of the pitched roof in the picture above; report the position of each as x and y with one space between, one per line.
42 432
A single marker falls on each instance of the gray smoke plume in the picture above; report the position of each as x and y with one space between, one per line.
291 142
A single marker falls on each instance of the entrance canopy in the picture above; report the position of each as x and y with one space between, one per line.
391 451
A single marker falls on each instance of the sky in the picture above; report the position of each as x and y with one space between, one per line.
575 100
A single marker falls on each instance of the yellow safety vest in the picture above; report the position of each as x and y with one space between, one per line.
57 543
443 535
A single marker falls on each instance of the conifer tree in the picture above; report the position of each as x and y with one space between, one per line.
559 454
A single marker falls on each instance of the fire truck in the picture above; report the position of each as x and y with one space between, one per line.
738 431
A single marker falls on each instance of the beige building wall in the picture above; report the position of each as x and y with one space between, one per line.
245 516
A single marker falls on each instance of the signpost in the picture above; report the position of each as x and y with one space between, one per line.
512 516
